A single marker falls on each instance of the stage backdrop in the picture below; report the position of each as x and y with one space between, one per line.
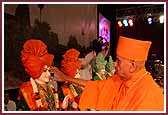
79 20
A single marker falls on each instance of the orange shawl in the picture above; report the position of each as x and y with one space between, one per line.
26 90
138 93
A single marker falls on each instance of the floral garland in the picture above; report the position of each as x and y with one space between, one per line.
45 100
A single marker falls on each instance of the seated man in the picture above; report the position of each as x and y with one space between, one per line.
38 93
71 65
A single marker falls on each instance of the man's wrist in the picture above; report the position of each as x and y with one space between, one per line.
68 79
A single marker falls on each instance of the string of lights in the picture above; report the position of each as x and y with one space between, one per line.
147 13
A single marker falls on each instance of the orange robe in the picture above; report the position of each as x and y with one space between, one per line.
26 90
140 93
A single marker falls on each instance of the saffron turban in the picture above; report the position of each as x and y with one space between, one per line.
133 49
34 56
70 63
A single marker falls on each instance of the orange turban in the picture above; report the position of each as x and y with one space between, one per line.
133 49
34 56
70 63
71 55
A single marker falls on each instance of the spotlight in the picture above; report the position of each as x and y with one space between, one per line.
149 20
130 21
119 24
125 22
161 18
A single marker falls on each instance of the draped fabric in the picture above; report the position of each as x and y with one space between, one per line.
34 56
100 94
70 64
138 93
47 97
27 91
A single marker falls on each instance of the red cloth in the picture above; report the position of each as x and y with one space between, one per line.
70 68
34 66
26 90
70 63
71 55
34 56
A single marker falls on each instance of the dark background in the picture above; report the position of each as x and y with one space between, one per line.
16 29
141 29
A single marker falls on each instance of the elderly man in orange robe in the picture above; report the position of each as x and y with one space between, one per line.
131 89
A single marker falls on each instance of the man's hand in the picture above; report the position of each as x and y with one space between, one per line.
58 75
61 77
